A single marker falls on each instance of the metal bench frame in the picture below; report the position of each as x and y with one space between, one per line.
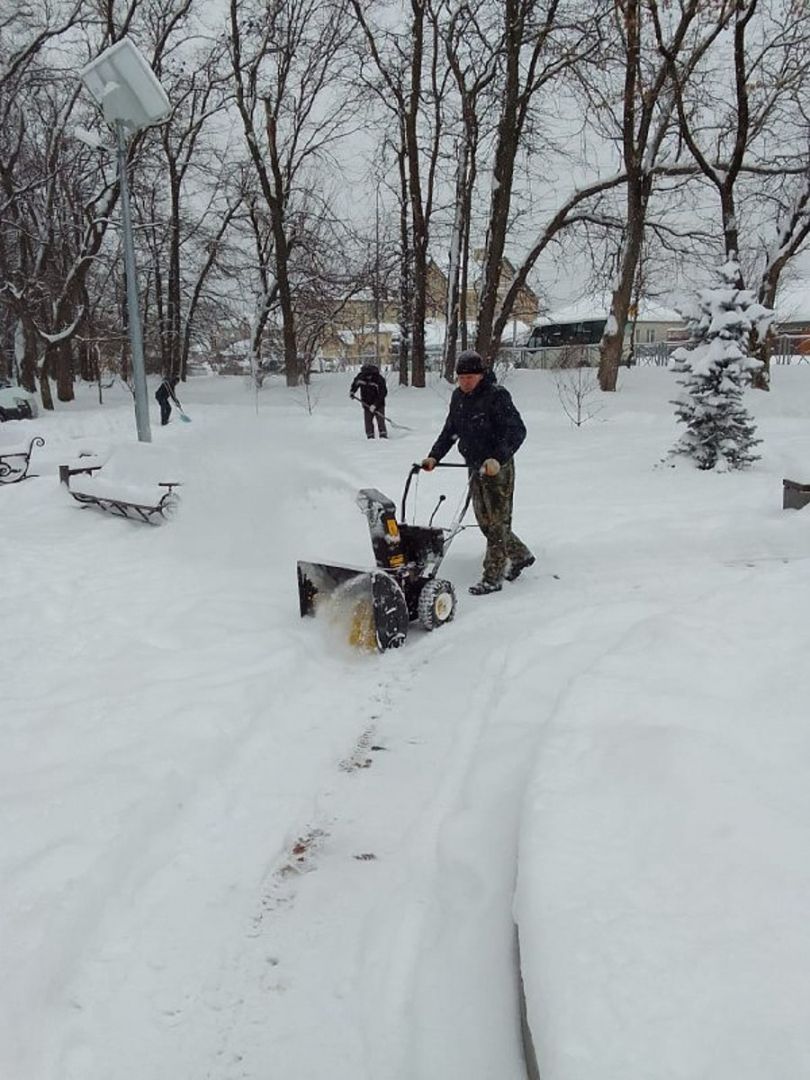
150 515
14 464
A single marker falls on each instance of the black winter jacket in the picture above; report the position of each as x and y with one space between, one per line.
371 384
166 391
485 422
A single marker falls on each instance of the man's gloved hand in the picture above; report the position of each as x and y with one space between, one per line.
491 467
429 464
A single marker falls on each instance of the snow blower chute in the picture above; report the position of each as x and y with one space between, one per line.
376 606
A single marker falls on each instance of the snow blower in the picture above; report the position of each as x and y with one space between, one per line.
376 606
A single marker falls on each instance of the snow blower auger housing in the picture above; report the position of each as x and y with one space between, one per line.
378 605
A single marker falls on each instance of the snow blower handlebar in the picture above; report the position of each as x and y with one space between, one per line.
416 468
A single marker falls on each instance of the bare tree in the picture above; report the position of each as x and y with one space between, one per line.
472 52
412 85
646 118
792 234
54 229
191 195
59 196
285 58
727 135
539 44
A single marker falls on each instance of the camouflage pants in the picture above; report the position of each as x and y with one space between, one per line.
492 504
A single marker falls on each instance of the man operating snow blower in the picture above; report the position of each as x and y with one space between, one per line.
489 430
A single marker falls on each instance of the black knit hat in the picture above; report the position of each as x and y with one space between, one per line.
470 363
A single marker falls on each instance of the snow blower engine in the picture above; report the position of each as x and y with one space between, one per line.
378 605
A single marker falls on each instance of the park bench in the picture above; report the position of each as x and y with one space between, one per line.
794 495
14 463
150 513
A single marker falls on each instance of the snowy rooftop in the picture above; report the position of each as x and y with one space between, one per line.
596 307
793 303
435 330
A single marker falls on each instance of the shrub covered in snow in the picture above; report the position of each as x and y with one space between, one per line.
717 367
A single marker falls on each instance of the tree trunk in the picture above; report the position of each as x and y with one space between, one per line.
277 207
612 343
762 347
64 371
173 358
418 220
405 275
291 366
461 231
28 360
44 382
502 177
463 307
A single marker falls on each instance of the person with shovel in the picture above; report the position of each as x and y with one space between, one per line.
373 389
489 430
162 395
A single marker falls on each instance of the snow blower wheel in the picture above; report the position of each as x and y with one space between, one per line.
437 604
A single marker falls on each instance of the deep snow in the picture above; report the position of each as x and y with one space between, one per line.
234 849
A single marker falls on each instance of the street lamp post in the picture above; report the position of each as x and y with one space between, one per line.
131 98
133 303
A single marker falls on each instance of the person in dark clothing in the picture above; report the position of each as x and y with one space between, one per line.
489 430
163 394
373 390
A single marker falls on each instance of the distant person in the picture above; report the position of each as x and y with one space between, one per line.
373 390
164 394
489 430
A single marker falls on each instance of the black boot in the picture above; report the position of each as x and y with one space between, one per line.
517 568
482 587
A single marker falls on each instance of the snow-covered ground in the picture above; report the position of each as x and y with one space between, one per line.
233 849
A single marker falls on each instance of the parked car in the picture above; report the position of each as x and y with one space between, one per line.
16 403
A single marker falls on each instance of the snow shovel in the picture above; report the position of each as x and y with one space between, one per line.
374 607
372 410
183 417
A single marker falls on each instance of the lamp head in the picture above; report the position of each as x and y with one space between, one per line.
126 88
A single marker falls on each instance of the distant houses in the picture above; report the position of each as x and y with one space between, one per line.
571 334
356 335
568 334
792 322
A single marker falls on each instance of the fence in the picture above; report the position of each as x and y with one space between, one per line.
791 349
550 356
787 349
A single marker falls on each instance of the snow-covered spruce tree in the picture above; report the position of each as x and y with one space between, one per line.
720 433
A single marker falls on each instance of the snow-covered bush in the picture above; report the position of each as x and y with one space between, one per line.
717 367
